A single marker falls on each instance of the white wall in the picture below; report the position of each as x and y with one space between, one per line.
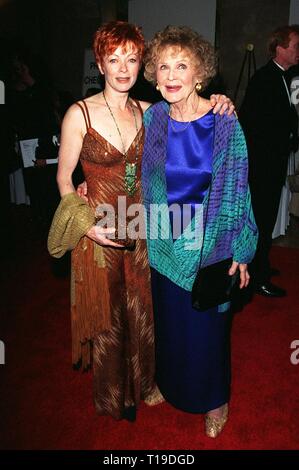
153 15
294 12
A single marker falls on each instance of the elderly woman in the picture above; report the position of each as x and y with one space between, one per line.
192 156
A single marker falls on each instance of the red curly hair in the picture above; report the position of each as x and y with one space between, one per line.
117 34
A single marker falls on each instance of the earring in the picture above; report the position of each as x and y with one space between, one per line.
198 87
157 87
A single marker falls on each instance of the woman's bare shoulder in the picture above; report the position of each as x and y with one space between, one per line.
77 111
74 119
73 114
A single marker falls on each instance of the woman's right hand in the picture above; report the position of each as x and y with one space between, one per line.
99 235
82 191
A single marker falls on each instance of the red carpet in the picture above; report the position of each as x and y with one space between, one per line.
47 405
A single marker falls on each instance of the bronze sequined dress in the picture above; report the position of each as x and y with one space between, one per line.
123 354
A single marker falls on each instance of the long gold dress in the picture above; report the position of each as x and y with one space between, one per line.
123 356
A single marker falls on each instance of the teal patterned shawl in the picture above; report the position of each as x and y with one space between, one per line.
230 228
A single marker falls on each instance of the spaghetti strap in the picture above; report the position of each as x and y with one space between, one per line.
84 115
139 106
87 113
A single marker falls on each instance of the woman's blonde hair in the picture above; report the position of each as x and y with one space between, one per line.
183 38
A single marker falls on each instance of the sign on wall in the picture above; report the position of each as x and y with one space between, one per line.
91 77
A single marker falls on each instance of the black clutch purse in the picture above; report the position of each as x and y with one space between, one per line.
213 285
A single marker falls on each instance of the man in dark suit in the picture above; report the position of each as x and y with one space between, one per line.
270 124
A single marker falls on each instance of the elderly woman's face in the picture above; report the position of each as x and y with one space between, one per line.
177 74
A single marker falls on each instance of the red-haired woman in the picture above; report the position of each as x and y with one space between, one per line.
112 317
111 305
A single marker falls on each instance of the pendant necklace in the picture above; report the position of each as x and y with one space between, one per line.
130 168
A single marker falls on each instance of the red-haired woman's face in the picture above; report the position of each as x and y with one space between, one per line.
121 68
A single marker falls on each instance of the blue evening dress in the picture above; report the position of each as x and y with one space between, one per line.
192 347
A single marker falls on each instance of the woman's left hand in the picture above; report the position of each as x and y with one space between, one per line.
222 104
82 191
244 274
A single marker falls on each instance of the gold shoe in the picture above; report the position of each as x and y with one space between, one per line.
215 425
154 398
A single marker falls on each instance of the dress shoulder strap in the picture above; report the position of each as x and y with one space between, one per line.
85 113
138 106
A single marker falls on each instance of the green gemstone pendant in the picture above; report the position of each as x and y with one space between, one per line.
130 178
